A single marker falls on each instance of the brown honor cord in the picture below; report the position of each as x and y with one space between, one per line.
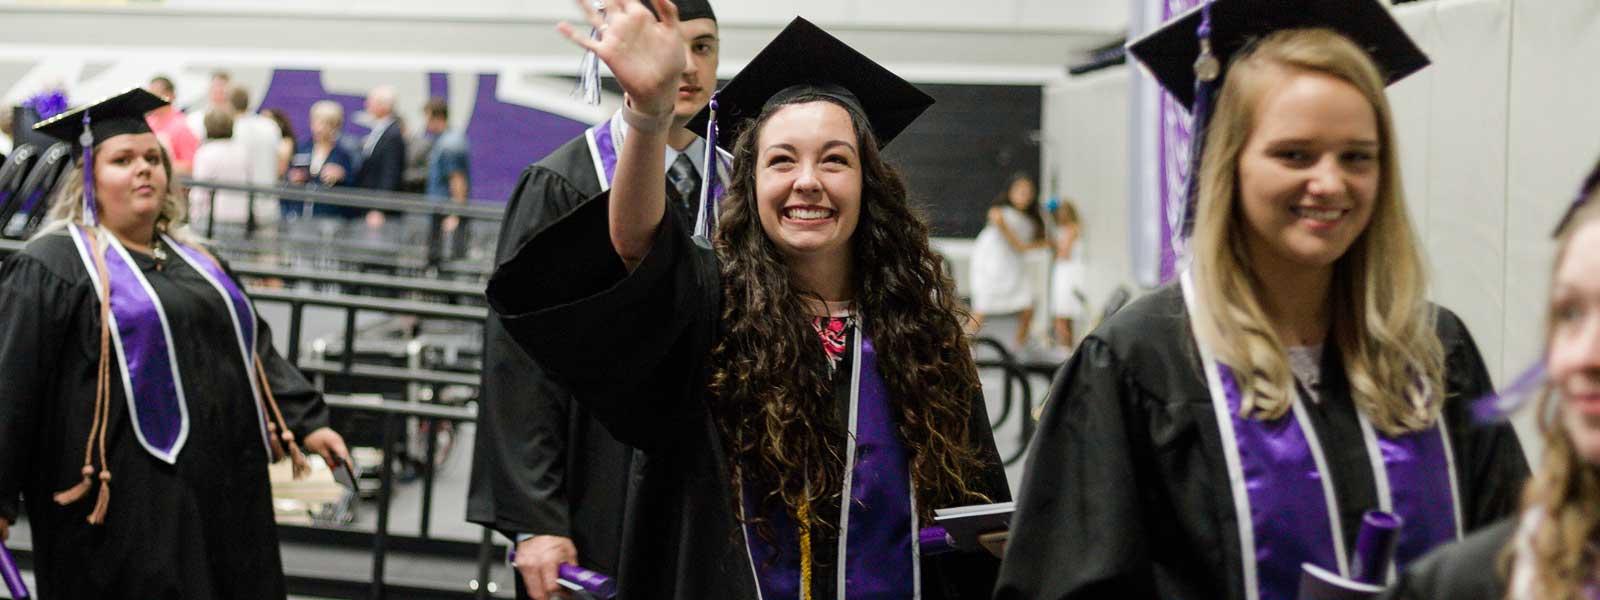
278 433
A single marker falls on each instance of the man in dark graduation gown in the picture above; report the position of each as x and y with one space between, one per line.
542 465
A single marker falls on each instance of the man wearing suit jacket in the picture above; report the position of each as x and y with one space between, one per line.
383 152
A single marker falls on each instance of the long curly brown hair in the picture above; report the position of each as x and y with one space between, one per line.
773 397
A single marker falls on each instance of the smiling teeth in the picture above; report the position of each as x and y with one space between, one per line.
1320 215
808 213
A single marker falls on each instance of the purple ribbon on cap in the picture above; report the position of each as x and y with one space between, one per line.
13 577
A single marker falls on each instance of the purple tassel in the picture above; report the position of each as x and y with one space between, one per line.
710 186
1207 69
588 88
86 139
1494 408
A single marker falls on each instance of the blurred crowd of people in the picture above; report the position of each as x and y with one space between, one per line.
223 141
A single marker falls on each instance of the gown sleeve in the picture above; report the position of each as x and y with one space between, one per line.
518 475
1466 570
627 345
1079 526
1488 455
972 574
35 313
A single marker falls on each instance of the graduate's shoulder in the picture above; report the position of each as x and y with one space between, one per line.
1150 328
1465 570
53 255
1452 331
570 166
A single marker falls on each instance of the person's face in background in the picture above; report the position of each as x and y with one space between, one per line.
808 181
325 130
1574 350
1309 173
700 70
1022 194
160 90
217 94
379 105
130 180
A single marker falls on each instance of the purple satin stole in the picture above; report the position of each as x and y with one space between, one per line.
142 341
144 345
243 315
876 554
605 142
1291 519
1285 505
1421 489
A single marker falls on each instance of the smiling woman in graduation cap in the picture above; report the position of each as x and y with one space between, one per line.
127 348
1221 431
798 383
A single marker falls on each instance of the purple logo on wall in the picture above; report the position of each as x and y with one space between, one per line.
504 137
1172 171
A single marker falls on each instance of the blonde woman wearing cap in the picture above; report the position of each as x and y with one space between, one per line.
1224 430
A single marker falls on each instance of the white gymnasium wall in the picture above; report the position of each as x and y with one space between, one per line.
1007 41
1494 138
1086 147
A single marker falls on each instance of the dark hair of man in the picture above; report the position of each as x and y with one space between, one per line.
436 108
774 402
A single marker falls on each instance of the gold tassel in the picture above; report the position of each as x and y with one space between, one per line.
297 458
301 468
102 503
803 515
77 492
99 423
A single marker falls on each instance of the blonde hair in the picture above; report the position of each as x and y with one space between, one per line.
328 110
1066 213
67 206
1565 490
1381 321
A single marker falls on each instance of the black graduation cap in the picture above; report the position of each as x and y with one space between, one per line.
1170 52
1591 185
117 115
688 10
804 59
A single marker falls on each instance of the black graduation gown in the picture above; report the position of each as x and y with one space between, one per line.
199 529
635 348
541 463
1466 570
1125 492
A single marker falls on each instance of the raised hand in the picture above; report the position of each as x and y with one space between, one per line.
645 54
